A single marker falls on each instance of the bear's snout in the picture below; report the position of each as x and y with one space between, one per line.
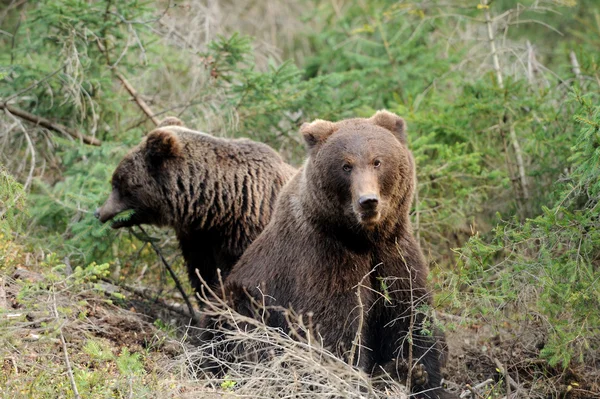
110 208
368 202
368 209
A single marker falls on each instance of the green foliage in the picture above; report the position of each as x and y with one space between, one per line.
228 384
269 105
130 363
74 85
430 62
553 257
98 351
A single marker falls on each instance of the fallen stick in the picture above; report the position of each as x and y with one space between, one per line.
473 389
510 381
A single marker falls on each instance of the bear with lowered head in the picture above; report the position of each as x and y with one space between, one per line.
341 226
217 194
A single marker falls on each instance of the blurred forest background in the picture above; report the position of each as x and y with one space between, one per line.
502 105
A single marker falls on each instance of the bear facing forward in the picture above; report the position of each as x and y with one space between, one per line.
217 194
342 225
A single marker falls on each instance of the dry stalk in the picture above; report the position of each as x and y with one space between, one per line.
3 301
506 120
411 326
576 67
64 347
356 343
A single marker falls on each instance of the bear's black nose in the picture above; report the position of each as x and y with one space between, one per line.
368 202
97 213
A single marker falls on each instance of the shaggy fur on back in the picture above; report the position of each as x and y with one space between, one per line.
217 194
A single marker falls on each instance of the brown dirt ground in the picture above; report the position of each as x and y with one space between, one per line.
478 354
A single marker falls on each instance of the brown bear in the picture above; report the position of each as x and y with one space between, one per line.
217 194
342 226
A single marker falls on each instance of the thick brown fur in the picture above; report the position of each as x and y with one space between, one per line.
340 226
218 194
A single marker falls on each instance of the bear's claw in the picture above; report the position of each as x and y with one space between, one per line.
419 375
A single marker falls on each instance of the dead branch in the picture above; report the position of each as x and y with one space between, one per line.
130 89
48 124
139 101
172 273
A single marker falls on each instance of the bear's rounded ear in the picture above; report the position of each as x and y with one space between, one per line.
162 145
315 133
391 122
170 121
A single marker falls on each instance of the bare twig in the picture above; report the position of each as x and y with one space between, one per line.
65 349
48 124
361 321
417 214
173 276
495 59
35 84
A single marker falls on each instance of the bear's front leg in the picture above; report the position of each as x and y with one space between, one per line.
426 376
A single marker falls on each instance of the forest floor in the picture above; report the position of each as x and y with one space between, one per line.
60 329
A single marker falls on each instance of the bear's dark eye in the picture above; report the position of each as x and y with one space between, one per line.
376 163
347 167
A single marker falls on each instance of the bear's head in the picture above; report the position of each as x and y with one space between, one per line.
360 172
139 183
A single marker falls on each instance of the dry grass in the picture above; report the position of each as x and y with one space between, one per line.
264 362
